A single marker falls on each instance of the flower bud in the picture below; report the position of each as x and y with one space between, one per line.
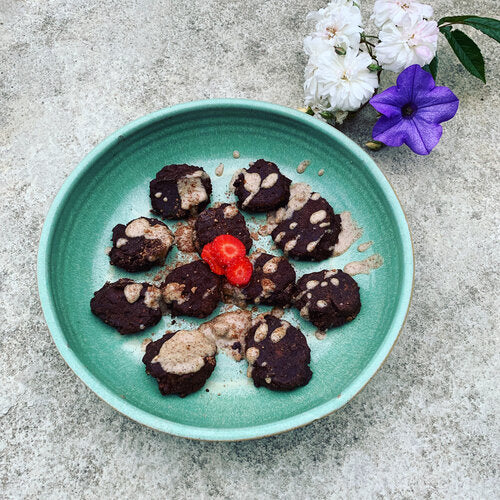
374 145
307 110
374 67
327 115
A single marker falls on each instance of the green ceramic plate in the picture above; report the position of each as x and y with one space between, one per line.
111 186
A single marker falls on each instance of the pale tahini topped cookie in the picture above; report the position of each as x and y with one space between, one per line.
327 298
307 228
128 306
179 191
278 355
192 290
261 188
141 244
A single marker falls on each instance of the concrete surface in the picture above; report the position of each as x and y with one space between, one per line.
71 72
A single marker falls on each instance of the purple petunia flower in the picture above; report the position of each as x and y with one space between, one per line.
413 110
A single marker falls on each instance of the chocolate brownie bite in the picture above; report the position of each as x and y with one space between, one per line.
179 191
277 354
128 306
180 361
327 298
307 228
192 290
261 188
140 245
272 282
221 218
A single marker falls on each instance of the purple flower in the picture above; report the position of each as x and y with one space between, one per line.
413 110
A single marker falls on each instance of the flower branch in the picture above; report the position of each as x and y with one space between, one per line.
343 72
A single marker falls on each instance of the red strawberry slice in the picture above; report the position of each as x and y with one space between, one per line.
239 271
227 248
208 255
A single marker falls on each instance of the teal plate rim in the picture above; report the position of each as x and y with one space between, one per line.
242 433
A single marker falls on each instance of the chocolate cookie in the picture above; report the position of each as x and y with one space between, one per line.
180 361
221 218
272 282
128 306
327 298
277 354
179 191
308 228
141 244
261 188
192 290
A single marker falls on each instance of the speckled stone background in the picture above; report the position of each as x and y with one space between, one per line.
71 72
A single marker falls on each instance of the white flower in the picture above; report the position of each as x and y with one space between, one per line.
314 47
339 24
403 46
400 12
330 9
345 82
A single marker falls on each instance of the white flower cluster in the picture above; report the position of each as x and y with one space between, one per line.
406 36
337 75
337 78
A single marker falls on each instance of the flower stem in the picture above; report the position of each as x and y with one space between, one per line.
369 45
369 49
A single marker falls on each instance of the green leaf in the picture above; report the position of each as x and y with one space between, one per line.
432 67
487 25
466 50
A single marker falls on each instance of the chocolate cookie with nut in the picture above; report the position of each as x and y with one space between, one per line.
272 282
307 228
221 218
261 188
179 191
140 245
327 298
128 306
180 361
192 290
278 355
